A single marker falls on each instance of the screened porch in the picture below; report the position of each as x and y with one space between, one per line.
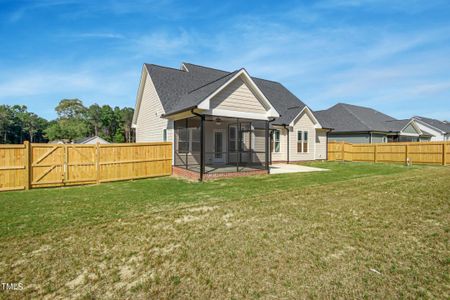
210 144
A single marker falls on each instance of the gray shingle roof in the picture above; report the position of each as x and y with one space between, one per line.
445 127
352 118
181 90
397 125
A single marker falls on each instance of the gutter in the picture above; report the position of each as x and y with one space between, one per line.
287 146
181 110
202 143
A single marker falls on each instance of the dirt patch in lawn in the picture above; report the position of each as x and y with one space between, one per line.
378 237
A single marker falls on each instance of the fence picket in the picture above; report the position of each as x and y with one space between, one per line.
46 165
417 153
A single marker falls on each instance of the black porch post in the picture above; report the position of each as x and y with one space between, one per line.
267 146
202 147
187 132
238 146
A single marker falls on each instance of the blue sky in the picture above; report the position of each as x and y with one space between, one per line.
393 56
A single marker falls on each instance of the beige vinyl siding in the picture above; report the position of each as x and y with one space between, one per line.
321 144
303 123
354 138
149 123
237 97
282 155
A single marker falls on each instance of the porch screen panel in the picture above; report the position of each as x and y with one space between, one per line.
187 143
195 142
181 145
259 144
232 143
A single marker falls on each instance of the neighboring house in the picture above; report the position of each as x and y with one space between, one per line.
91 140
223 121
358 124
56 142
440 130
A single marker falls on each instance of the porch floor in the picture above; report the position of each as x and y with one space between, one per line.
212 169
292 168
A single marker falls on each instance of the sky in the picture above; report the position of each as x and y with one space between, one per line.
393 56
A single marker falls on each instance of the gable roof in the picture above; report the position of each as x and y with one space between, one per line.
182 89
442 126
90 138
344 117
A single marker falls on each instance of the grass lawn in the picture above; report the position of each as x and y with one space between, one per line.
357 231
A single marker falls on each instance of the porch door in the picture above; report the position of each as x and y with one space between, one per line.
219 146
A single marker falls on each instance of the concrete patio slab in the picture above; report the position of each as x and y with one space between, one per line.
291 168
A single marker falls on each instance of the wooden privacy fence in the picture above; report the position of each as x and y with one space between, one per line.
416 153
50 165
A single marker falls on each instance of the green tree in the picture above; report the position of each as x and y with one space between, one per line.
71 109
71 123
108 121
94 118
5 121
126 121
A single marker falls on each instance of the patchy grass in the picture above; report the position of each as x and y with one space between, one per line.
357 231
43 210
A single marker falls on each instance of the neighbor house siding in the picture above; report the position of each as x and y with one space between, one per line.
410 129
354 138
321 144
437 135
237 97
149 123
379 138
303 123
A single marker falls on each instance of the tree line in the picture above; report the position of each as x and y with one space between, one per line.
74 121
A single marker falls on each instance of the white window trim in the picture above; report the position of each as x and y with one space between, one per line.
302 141
275 141
237 138
189 141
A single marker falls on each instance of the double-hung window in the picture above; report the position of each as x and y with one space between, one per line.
276 140
188 140
183 140
233 139
302 141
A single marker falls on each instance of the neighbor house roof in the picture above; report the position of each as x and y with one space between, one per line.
183 89
442 126
344 117
91 138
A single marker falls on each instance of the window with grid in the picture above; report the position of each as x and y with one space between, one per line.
276 140
302 141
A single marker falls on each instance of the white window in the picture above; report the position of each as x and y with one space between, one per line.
189 140
164 133
233 139
276 141
302 141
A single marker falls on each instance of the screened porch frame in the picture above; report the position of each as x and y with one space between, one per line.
247 150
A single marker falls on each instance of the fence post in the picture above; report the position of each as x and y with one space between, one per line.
97 162
406 154
444 153
27 165
375 153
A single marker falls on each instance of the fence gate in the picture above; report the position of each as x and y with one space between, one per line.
58 165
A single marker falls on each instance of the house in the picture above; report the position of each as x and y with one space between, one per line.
91 140
358 124
440 130
224 122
